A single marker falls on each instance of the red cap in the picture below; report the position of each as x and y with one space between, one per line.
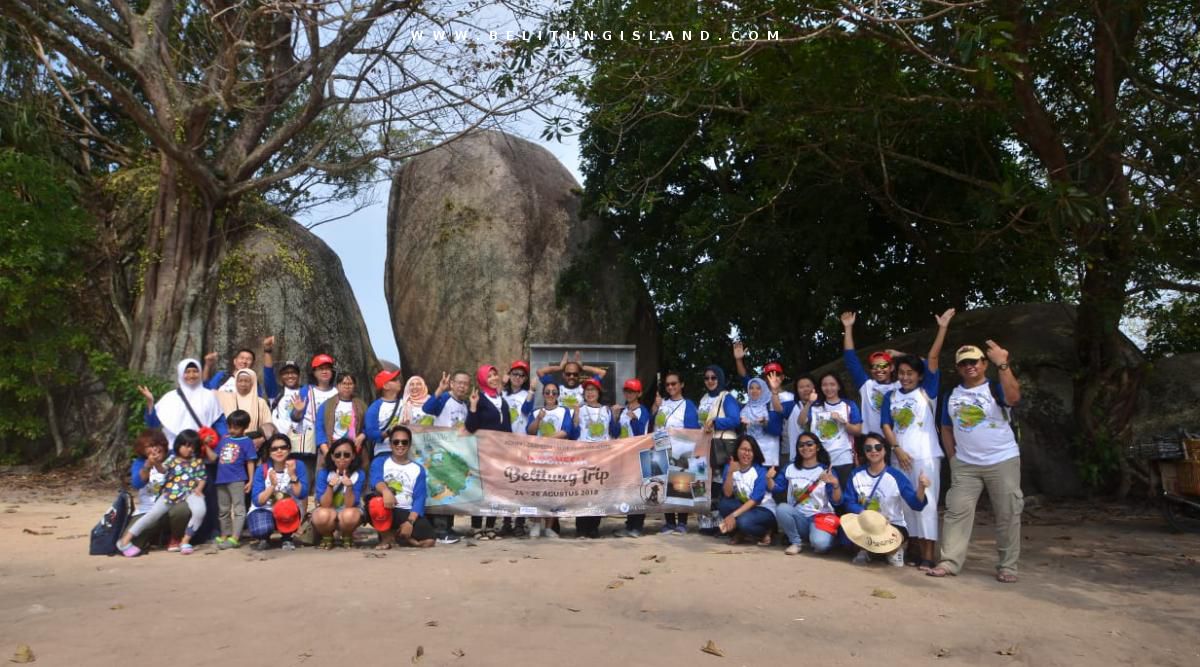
879 355
773 367
827 522
321 360
287 516
592 382
519 364
381 517
384 377
633 384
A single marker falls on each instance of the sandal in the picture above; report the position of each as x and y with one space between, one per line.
939 572
766 541
347 542
925 565
326 543
1006 577
383 546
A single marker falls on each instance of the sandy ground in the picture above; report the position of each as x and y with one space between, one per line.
1100 585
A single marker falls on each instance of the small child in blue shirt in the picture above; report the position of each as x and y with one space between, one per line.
235 457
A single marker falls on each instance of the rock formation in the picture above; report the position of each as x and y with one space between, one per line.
278 278
487 254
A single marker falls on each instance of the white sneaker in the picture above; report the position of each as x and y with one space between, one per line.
896 558
793 549
535 529
862 558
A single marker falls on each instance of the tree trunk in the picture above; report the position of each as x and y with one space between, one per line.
1108 380
181 245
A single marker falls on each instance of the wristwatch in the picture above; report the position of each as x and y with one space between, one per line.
1002 367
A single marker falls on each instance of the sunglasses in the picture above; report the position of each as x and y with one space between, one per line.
550 393
672 384
343 455
968 362
519 374
571 375
710 377
281 448
401 443
807 443
880 366
873 448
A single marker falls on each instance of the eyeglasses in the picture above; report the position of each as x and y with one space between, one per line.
877 447
880 366
401 443
281 448
672 384
343 455
968 362
807 443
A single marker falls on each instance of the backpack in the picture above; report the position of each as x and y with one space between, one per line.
110 527
1006 410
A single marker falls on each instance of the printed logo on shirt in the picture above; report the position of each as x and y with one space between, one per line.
570 401
624 431
513 414
595 429
872 505
902 412
546 430
660 419
703 416
343 421
827 428
230 453
427 420
968 411
877 398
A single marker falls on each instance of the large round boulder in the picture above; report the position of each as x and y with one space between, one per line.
277 278
487 254
1040 340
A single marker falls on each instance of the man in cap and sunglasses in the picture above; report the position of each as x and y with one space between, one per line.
978 438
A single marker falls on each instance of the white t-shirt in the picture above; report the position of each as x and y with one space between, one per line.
792 429
832 433
871 402
402 480
886 498
343 414
283 488
982 434
743 485
913 418
670 413
385 422
454 414
627 417
417 416
147 494
570 397
281 416
515 400
594 423
316 398
553 421
814 502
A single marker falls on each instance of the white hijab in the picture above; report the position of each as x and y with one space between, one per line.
174 414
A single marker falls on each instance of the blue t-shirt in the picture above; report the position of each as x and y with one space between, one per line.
232 456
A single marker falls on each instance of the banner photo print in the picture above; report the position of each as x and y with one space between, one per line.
491 473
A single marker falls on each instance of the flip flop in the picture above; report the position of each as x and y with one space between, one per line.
383 546
925 565
1005 577
129 550
939 572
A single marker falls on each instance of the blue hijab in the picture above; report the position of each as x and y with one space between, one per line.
720 379
756 410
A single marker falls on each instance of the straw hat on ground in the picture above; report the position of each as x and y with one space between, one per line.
872 531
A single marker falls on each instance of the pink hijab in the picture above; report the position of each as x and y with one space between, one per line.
481 377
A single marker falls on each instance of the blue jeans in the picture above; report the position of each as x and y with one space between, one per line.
755 523
799 526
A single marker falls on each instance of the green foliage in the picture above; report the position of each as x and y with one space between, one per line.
1173 327
122 384
42 233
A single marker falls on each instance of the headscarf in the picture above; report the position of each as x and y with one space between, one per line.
757 410
481 377
415 395
230 401
717 370
174 415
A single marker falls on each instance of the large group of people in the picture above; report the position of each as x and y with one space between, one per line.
806 466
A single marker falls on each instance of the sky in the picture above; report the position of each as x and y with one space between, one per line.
360 240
